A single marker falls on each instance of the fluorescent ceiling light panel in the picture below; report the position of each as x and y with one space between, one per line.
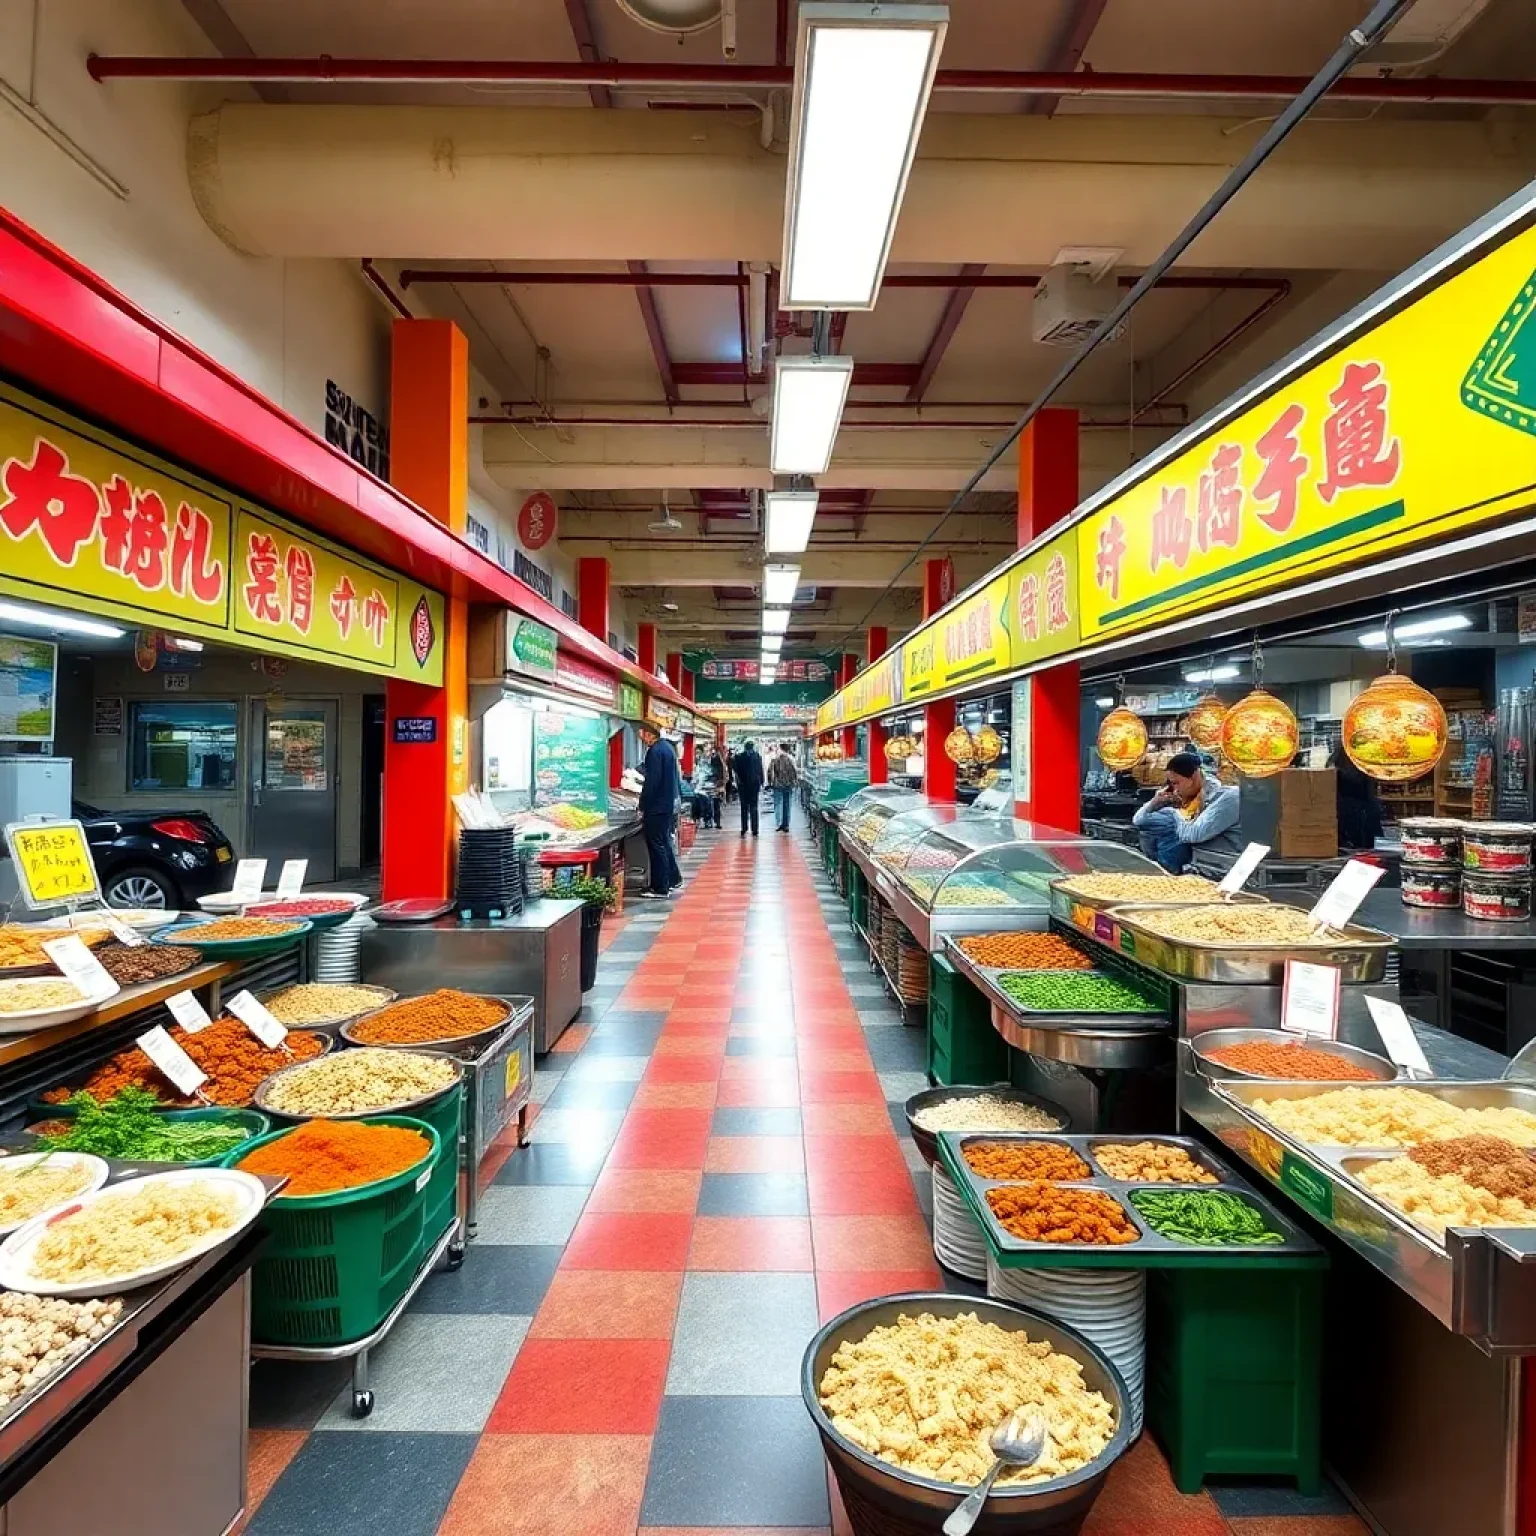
1418 629
863 74
775 620
38 618
779 585
1222 674
1105 703
772 644
789 517
808 397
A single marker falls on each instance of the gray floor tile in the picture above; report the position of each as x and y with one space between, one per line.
589 1127
898 1086
914 1159
742 1335
584 1093
529 1213
780 1042
622 1017
358 1484
591 1068
1256 1500
753 1194
553 1162
756 1122
435 1372
292 1394
544 1083
507 1280
699 1476
899 1050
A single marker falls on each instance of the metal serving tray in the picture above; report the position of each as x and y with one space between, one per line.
1079 910
1151 1250
1210 1040
1360 954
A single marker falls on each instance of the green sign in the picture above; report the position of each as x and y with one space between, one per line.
570 761
531 647
1501 383
1309 1187
631 701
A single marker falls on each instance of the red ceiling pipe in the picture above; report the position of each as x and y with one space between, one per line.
736 77
912 419
412 275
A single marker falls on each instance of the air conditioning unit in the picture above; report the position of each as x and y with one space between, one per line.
1069 304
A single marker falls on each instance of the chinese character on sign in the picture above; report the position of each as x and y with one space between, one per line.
134 537
1056 613
1172 529
344 606
375 615
1111 553
1356 450
1284 465
261 584
1029 608
300 570
191 545
1221 499
44 495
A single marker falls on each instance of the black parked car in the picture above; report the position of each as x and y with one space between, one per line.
156 858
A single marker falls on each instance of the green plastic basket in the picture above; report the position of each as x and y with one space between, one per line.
446 1116
335 1265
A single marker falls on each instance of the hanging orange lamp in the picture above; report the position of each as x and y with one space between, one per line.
1395 730
1259 735
958 746
1122 740
1203 723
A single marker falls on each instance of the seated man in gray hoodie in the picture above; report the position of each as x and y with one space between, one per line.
1193 809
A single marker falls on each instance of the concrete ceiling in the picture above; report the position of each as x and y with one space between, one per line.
610 394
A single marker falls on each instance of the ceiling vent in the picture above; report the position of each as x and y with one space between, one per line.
681 18
1069 304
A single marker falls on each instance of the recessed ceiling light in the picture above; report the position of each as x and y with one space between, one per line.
1418 629
780 583
808 397
787 525
64 624
775 621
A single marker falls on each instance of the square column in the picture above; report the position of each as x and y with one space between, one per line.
938 717
592 595
645 648
877 641
847 671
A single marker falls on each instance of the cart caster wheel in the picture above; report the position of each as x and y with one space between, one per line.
362 1404
455 1256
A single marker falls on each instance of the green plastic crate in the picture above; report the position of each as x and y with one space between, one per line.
962 1045
446 1116
335 1265
1234 1371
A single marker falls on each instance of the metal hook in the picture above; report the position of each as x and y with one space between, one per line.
1390 631
1258 662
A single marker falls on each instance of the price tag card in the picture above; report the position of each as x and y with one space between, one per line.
172 1060
188 1012
1242 871
1348 889
53 862
1309 1004
80 966
257 1020
249 873
291 881
1397 1036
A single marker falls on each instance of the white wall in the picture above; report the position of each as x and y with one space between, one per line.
283 326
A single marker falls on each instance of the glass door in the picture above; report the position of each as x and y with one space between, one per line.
292 810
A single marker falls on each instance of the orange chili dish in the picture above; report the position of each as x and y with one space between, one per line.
1025 952
1047 1213
1280 1059
321 1156
446 1014
1024 1160
234 1059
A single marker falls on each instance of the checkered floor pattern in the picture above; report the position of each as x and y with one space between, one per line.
718 1161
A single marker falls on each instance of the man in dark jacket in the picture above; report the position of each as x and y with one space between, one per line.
748 767
659 797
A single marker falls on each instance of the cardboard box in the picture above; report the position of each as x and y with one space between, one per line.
1295 811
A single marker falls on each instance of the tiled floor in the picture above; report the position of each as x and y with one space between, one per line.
715 1167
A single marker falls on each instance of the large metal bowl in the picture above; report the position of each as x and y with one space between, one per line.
883 1500
928 1141
454 1045
1209 1040
405 1107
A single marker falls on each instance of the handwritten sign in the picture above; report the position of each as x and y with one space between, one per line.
1242 871
188 1012
53 862
291 881
80 966
172 1060
1397 1035
249 873
1309 1004
256 1019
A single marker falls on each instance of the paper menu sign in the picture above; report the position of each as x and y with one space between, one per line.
188 1012
1348 889
257 1020
1242 871
249 873
291 881
172 1060
1397 1035
1309 1004
80 966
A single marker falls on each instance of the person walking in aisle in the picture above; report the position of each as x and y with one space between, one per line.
748 767
659 797
714 787
781 780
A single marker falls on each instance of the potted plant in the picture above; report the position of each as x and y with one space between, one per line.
596 897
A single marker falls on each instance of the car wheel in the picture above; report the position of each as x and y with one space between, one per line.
140 886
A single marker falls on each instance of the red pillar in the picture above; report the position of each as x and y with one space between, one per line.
689 742
675 669
592 595
616 758
876 643
938 717
645 648
1047 493
848 739
687 684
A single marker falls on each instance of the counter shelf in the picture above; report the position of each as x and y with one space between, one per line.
1151 1250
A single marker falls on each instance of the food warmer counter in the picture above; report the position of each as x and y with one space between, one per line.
865 812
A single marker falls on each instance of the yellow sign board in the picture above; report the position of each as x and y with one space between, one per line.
53 862
1043 603
88 523
1420 426
970 640
874 691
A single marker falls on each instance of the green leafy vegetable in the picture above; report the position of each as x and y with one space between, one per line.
129 1127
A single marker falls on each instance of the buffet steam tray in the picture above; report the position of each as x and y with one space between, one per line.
1151 1250
1079 910
989 979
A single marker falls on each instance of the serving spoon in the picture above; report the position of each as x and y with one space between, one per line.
1016 1442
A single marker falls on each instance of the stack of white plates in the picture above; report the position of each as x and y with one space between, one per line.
958 1243
336 950
1107 1306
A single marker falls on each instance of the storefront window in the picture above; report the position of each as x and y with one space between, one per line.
182 746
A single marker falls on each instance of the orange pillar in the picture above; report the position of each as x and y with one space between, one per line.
429 462
876 643
645 648
849 737
1047 493
592 595
938 717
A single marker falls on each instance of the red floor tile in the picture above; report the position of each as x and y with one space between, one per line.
823 1087
683 1069
1295 1525
266 1458
609 1304
662 1138
692 1013
876 1190
694 1044
754 1154
759 1069
852 1154
654 1240
583 1387
836 1292
749 1243
514 1481
635 1191
745 1093
815 1059
674 1096
1139 1499
575 1036
716 1029
844 1118
870 1242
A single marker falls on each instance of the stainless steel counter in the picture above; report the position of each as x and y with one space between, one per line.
1430 928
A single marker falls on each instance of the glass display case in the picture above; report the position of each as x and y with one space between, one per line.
865 813
830 785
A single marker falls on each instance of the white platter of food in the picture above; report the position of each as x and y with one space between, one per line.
37 1002
35 1183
